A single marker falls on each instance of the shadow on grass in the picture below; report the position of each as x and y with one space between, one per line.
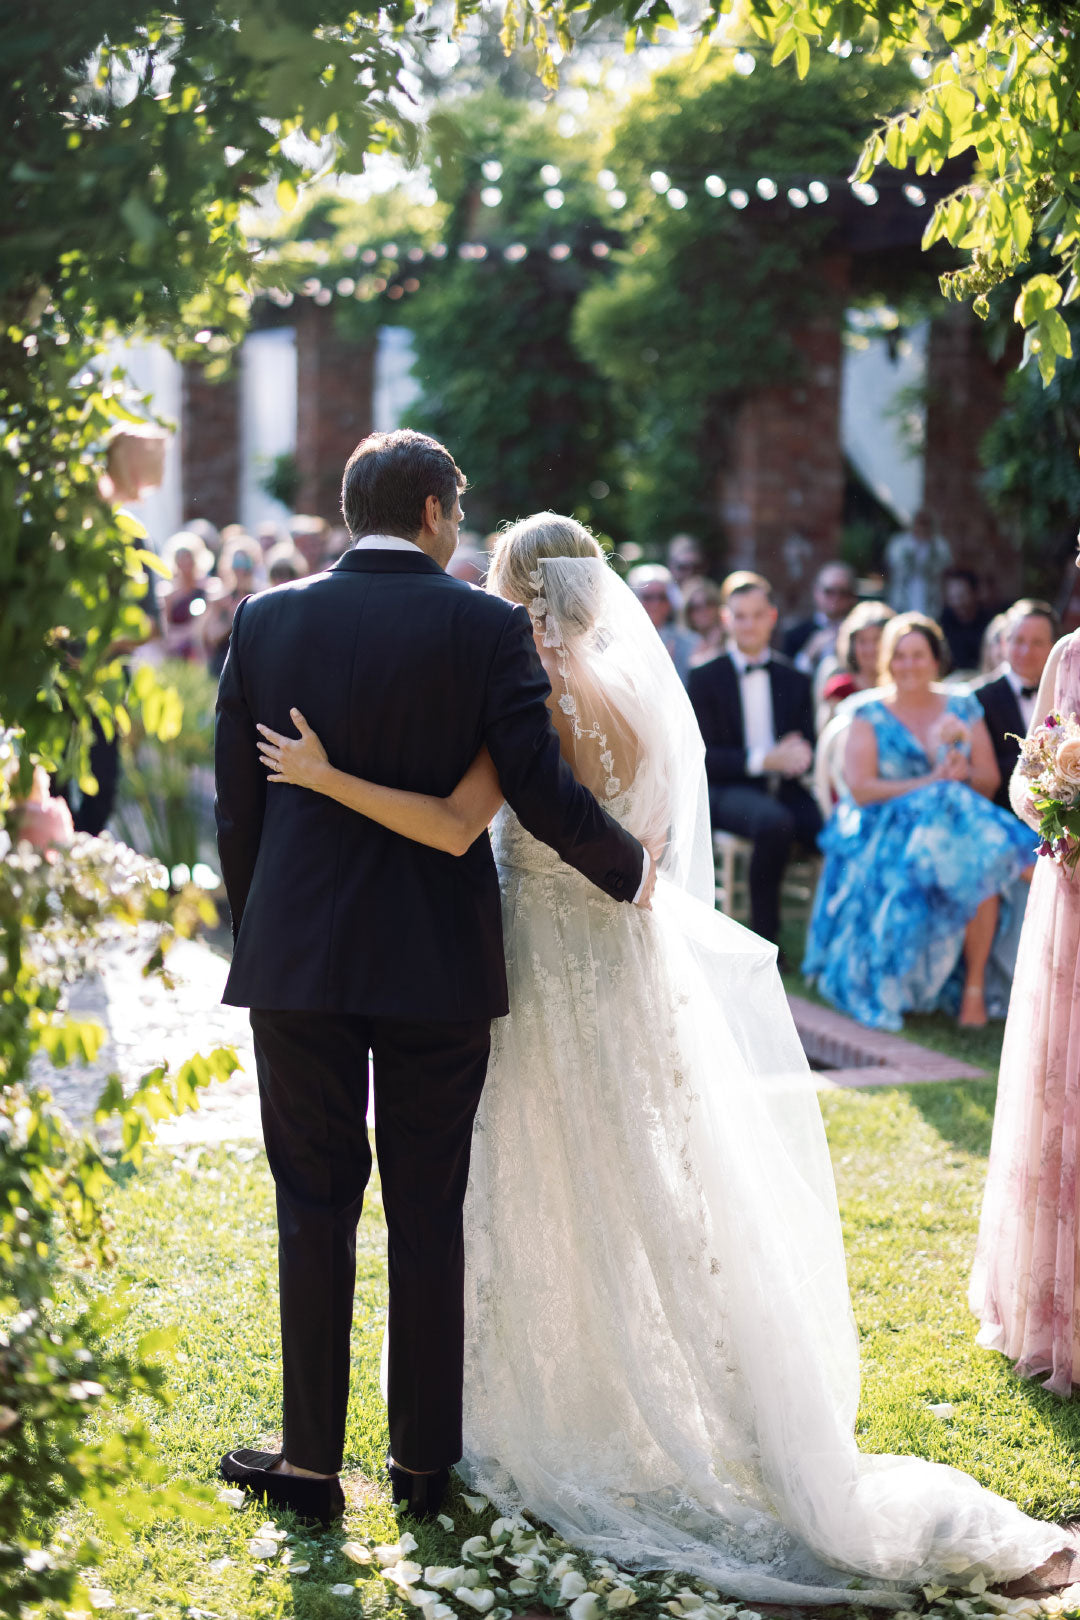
961 1112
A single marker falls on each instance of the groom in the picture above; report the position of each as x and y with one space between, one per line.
350 941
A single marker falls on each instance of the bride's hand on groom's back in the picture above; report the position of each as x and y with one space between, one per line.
299 760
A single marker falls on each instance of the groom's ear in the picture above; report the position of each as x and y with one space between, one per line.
432 515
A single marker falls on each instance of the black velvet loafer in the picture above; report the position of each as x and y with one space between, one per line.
420 1494
319 1500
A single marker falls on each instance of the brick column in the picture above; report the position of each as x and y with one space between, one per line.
334 382
964 392
781 495
210 455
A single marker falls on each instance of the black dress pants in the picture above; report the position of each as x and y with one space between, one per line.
773 821
313 1088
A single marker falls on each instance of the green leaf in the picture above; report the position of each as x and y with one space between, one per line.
287 196
1037 295
1055 333
784 47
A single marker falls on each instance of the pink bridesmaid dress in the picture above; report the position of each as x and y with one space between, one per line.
1025 1287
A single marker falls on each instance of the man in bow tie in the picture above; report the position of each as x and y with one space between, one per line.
1008 698
756 714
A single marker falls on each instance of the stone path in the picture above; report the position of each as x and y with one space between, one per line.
147 1023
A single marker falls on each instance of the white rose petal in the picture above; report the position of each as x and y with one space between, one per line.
271 1530
504 1527
586 1607
932 1593
404 1573
383 1555
343 1589
476 1504
100 1598
445 1520
481 1599
440 1575
359 1554
299 1569
477 1547
621 1597
522 1588
559 1569
690 1601
1052 1604
942 1409
262 1547
572 1585
218 1565
233 1498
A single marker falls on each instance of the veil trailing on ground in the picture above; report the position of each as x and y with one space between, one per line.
661 1358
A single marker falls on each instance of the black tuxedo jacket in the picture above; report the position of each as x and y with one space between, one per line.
714 692
404 673
795 638
1002 712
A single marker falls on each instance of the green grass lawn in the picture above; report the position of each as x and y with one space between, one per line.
198 1246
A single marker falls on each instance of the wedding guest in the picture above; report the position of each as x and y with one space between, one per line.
963 621
915 560
209 534
42 818
658 594
284 562
813 639
755 711
686 559
270 535
916 855
702 615
1025 1287
992 653
310 536
855 665
238 572
1008 700
183 600
470 564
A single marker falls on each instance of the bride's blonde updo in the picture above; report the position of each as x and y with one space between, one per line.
519 551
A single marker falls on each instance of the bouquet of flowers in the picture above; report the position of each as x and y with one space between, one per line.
950 733
1050 759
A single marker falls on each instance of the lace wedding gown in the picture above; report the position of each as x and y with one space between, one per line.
661 1360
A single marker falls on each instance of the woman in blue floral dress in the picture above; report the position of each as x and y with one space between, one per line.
916 856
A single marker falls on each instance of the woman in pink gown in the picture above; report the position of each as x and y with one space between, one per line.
1026 1283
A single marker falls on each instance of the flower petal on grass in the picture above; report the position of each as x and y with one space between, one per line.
218 1565
101 1598
442 1575
263 1547
573 1585
475 1504
477 1547
359 1554
481 1598
343 1589
587 1607
234 1498
445 1520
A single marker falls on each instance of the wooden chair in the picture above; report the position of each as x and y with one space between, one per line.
732 861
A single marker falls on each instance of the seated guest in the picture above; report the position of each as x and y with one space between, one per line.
992 655
808 642
917 858
686 560
284 562
855 666
756 715
183 600
963 621
702 615
658 594
1008 701
239 570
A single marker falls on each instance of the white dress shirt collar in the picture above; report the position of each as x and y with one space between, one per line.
387 542
1026 705
740 660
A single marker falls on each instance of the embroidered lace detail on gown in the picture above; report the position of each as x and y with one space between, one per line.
1025 1287
661 1360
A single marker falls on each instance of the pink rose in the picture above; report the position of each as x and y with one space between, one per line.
1067 763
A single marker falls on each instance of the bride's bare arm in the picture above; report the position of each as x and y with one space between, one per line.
452 824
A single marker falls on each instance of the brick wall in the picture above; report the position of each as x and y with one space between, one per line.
210 415
782 492
964 389
334 396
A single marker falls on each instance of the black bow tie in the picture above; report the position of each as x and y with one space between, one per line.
751 669
1028 691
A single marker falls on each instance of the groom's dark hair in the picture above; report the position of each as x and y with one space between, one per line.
388 479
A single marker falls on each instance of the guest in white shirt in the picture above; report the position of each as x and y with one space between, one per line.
756 714
915 564
1008 699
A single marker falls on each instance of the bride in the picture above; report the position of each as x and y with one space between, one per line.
661 1359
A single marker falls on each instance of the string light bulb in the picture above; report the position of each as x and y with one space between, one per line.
714 185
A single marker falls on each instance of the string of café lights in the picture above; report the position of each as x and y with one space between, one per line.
393 271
